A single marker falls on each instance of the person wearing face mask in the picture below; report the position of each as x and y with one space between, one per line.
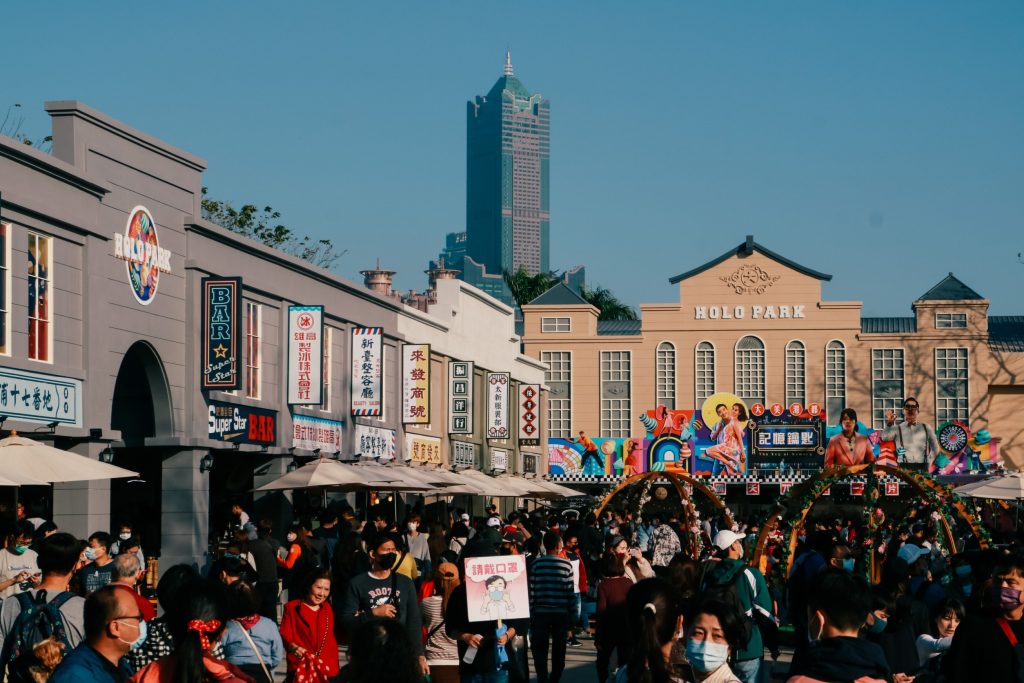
837 607
113 627
18 562
100 570
716 629
124 534
416 542
986 646
841 557
299 560
383 592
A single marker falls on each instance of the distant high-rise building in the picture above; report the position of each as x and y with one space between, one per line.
508 152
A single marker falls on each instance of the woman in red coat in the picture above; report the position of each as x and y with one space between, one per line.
307 629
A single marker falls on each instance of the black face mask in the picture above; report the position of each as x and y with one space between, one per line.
387 560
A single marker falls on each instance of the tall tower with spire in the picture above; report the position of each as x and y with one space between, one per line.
508 156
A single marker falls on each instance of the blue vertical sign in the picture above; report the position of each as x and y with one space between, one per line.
222 333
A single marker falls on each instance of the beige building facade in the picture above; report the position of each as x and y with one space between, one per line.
754 323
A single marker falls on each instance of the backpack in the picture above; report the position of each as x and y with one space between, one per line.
37 621
756 616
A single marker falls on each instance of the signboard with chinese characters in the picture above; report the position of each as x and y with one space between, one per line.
35 397
496 588
787 436
416 383
316 433
460 393
305 354
242 424
424 449
529 463
463 454
222 333
529 414
367 375
375 442
498 386
499 459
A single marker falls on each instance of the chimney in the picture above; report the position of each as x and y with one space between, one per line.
378 280
439 272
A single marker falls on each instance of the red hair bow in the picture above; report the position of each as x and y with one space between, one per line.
202 628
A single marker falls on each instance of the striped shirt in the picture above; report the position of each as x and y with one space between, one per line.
551 585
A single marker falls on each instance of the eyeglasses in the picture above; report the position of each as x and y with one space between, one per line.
128 616
911 409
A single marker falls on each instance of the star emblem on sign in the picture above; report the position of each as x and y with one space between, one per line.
220 351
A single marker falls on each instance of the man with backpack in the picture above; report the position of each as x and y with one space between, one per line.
49 610
113 624
730 574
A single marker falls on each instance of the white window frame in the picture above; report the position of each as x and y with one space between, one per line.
764 373
559 324
697 389
665 375
50 303
5 301
948 317
325 370
618 406
552 420
840 373
893 404
941 413
251 365
799 367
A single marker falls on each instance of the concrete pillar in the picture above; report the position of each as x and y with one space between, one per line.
80 508
185 510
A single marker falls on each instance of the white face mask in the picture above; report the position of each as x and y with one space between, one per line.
124 536
412 526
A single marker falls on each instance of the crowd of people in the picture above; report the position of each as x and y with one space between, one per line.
393 598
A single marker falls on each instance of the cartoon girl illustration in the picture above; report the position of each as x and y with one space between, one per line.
497 601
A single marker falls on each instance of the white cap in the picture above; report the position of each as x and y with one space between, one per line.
465 517
493 521
726 537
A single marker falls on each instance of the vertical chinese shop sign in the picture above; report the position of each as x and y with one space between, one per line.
498 386
305 354
460 392
415 383
367 352
529 411
222 338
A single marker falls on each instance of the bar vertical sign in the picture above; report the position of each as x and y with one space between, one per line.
498 386
460 393
367 376
305 354
416 383
222 338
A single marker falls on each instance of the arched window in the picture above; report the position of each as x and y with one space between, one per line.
796 373
665 369
750 370
835 379
704 371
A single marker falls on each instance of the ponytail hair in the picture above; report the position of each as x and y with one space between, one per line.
653 608
201 621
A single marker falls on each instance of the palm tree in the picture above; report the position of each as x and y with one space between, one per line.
605 301
526 287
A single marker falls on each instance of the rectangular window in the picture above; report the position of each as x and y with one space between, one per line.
40 322
796 373
951 376
325 373
252 349
835 380
704 368
558 377
555 325
886 384
950 321
616 411
5 288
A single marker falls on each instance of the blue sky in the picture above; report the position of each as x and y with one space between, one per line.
881 142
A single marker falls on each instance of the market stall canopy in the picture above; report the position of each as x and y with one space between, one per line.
38 463
399 478
559 490
16 479
1010 487
324 472
967 488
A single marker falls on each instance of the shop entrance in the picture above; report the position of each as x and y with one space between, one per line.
141 408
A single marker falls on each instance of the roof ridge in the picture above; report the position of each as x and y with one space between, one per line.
746 248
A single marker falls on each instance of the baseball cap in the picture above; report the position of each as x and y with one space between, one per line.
465 517
493 521
515 537
726 537
911 553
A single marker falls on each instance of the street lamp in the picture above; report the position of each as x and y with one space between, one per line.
206 463
107 455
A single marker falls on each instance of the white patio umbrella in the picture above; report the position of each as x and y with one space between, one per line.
559 490
967 488
398 478
38 463
1010 487
324 472
15 479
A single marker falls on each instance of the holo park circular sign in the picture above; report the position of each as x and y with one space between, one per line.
140 249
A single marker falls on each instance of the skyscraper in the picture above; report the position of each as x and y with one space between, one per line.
508 152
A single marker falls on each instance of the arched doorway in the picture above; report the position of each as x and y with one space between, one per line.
141 408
